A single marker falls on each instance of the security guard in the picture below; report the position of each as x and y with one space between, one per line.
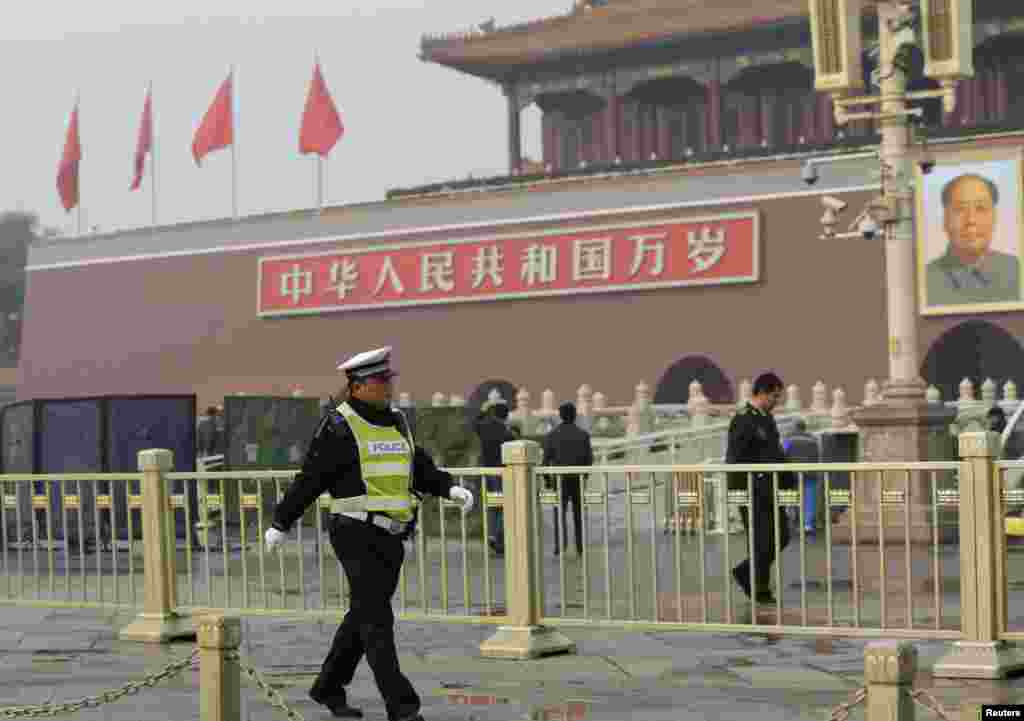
363 454
754 438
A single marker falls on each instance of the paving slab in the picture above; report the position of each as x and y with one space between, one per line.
62 643
790 676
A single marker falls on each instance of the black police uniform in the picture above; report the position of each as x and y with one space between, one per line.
371 556
754 438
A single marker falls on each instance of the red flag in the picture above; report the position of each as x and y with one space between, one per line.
321 124
217 129
145 142
67 173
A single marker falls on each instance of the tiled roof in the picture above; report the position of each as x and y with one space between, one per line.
609 27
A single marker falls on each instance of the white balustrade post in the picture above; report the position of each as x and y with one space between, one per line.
793 399
523 413
871 392
966 391
746 392
819 396
840 413
988 391
933 395
437 400
583 407
1010 392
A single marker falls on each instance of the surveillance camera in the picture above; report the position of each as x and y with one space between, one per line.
926 164
868 227
809 173
834 204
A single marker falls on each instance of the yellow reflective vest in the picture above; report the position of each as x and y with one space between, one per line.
385 461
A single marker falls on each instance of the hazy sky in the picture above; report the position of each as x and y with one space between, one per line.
406 122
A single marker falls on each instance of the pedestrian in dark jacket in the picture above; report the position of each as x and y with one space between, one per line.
493 430
754 438
569 445
802 447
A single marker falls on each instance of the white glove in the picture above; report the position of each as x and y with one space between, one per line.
274 539
458 493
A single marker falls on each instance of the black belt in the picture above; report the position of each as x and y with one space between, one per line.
380 520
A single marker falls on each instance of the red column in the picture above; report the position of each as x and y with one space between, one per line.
807 128
980 104
748 121
611 129
1002 93
650 131
664 133
767 129
967 116
558 140
826 118
639 128
600 135
714 115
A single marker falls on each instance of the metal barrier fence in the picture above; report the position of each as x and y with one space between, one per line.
908 550
870 583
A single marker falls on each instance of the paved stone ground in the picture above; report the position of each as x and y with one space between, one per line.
49 655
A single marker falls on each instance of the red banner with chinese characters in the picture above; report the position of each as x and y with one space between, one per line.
601 258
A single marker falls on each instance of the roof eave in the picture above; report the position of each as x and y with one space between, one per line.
450 56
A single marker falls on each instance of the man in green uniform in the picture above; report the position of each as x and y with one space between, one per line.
754 438
363 455
971 271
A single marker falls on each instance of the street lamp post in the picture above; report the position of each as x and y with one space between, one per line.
946 39
904 426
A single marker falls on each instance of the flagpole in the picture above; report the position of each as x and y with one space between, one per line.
319 158
319 184
234 144
78 170
152 153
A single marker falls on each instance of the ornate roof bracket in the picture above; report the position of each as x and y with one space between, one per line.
732 67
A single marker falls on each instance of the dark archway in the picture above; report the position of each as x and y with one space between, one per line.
977 350
674 386
507 391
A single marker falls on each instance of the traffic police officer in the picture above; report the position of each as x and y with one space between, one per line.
363 454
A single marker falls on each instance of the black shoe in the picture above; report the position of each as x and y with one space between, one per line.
742 582
337 705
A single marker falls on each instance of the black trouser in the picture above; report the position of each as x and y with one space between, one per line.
372 559
570 494
764 540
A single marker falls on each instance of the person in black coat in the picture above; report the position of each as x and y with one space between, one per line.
569 445
493 430
368 543
754 438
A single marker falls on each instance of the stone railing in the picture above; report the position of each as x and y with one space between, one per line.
642 416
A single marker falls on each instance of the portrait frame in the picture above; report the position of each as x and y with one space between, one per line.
1004 167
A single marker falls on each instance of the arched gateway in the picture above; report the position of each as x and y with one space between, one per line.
674 386
974 349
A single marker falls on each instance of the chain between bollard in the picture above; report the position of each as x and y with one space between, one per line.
129 689
275 699
926 700
842 711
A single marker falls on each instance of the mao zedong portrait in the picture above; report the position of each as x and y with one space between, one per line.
970 271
